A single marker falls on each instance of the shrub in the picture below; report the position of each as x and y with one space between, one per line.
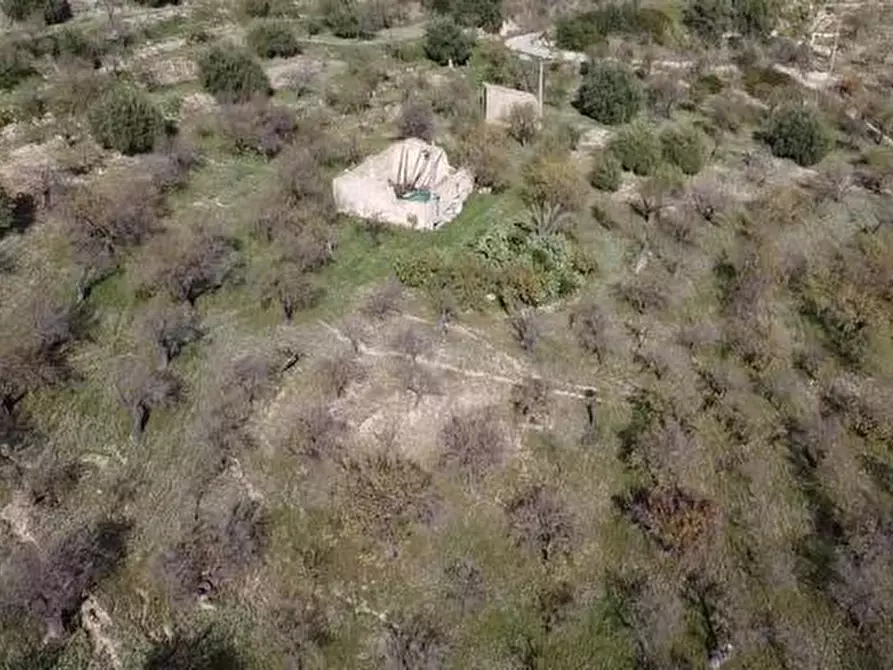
609 94
416 120
606 171
580 31
232 74
798 133
486 14
75 43
126 120
157 3
553 180
258 127
56 11
684 147
257 9
345 19
15 66
445 41
485 151
523 121
637 148
270 38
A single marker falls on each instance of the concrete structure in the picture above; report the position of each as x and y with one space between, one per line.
499 101
411 183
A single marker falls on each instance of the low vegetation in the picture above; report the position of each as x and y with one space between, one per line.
630 408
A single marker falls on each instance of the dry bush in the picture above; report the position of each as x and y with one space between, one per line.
591 326
417 120
385 494
290 287
679 522
168 170
539 521
484 149
551 179
300 178
834 180
52 589
415 643
526 329
34 346
336 374
664 93
385 300
207 650
523 123
105 220
645 293
169 328
317 434
412 343
227 409
464 584
191 264
530 398
49 485
142 390
709 199
474 442
221 546
258 127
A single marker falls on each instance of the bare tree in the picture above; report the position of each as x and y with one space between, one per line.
523 123
52 589
709 199
415 643
292 289
591 325
142 390
526 329
339 372
169 328
417 120
465 584
541 522
317 434
221 545
226 410
103 221
189 267
529 398
474 442
412 343
385 300
664 94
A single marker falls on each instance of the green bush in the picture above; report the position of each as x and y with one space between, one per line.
15 66
125 119
56 11
609 94
797 132
345 19
606 171
685 147
257 9
638 148
578 32
231 74
709 19
271 38
445 41
486 14
71 42
53 11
